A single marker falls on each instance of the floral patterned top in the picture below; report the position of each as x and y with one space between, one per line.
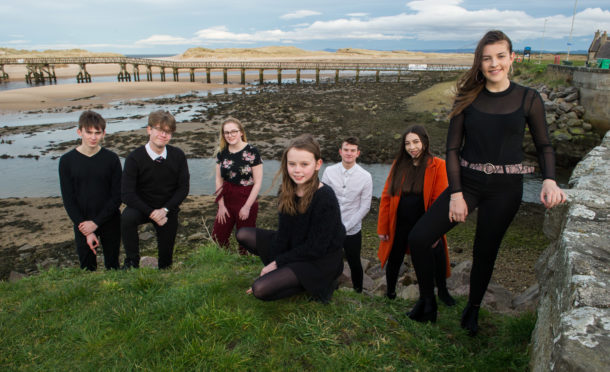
237 167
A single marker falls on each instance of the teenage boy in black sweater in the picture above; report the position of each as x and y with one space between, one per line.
155 182
90 181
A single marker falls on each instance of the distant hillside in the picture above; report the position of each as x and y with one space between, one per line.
287 51
17 53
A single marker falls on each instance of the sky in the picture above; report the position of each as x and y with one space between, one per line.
172 26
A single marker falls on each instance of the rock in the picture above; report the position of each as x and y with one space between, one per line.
576 131
25 248
571 97
550 106
498 298
376 272
147 261
380 286
587 127
147 235
345 279
408 279
560 135
528 300
570 116
15 276
579 110
564 107
48 263
574 123
550 118
365 263
197 237
367 283
410 292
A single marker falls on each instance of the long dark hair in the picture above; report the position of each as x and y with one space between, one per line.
472 82
286 196
404 176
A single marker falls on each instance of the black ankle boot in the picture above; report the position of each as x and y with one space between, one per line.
443 295
470 319
425 310
391 295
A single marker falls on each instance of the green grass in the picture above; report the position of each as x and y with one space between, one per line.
198 317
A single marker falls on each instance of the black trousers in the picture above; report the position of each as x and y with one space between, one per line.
497 197
166 237
352 246
110 240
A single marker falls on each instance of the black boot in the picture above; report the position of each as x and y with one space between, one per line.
425 310
470 319
391 295
443 295
440 275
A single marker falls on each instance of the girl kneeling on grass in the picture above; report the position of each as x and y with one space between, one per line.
305 253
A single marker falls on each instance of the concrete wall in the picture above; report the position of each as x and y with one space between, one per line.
572 332
594 89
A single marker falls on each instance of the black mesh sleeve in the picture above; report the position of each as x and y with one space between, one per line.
455 137
536 121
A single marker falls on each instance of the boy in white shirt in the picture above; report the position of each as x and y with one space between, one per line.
353 187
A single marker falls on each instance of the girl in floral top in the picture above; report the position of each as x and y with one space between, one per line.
239 173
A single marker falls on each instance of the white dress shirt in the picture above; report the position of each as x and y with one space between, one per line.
153 155
354 189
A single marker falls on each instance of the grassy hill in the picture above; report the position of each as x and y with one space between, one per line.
197 316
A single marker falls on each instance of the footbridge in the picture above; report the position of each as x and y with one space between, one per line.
43 69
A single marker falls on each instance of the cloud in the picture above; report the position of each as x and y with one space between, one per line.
300 14
164 40
357 15
442 20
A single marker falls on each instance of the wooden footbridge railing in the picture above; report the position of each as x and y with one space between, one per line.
43 69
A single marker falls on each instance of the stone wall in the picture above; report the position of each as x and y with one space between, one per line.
594 87
572 332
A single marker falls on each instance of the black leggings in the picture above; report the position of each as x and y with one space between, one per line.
279 283
497 197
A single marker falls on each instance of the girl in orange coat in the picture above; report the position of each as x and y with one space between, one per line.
416 179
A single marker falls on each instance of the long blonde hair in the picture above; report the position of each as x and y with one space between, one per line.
473 81
287 202
222 142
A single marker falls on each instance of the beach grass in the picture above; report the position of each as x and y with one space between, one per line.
197 316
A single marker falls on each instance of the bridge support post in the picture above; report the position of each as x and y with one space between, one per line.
83 76
149 73
225 80
192 73
336 76
3 74
176 73
317 76
162 73
243 76
298 76
136 72
377 76
279 76
260 76
357 75
123 74
208 74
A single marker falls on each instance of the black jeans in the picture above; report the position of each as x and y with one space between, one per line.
352 246
110 241
497 197
166 236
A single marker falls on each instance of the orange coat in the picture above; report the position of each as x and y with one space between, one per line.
435 182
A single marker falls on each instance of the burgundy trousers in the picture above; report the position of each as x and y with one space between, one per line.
235 197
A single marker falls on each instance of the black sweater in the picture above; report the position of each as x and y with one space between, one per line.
313 234
148 185
90 186
491 130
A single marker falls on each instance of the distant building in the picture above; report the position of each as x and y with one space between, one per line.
600 47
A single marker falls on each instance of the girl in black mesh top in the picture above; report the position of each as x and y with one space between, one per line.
485 171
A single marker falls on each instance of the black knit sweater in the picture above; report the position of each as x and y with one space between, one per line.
148 185
312 235
90 186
